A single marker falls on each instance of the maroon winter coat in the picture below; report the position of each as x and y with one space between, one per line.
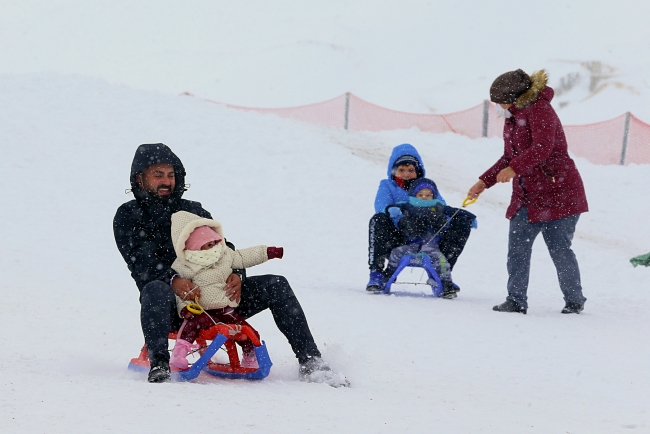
547 181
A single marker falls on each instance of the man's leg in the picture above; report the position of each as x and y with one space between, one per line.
383 237
455 236
520 247
158 316
275 293
558 235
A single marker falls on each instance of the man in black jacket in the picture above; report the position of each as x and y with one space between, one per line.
142 229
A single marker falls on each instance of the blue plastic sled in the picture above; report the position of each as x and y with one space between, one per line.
420 260
263 360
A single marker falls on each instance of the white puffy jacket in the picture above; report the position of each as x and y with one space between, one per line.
210 279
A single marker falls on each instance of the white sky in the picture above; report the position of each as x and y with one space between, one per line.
409 55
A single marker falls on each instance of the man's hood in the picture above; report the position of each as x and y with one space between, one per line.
156 153
400 151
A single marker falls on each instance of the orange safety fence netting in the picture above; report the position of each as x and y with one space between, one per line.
469 122
622 140
600 142
638 142
330 113
366 116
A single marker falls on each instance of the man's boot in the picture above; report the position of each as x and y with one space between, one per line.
159 372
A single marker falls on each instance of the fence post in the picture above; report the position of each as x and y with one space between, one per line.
486 113
347 109
625 134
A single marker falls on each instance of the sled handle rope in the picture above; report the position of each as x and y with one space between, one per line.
194 307
467 202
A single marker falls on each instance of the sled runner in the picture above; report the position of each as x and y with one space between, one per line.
221 335
420 260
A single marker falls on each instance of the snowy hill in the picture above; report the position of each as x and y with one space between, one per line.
413 56
82 84
416 364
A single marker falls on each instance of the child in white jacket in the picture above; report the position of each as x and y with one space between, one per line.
203 257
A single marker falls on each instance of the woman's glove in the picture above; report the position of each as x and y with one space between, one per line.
275 252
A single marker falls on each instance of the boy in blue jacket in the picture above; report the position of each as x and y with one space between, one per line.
404 166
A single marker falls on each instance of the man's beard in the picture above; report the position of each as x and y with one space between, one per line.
164 197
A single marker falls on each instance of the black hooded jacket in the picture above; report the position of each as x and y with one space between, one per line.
142 227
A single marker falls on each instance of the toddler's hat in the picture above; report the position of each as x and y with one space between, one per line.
200 236
421 183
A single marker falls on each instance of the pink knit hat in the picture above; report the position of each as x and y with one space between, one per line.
200 236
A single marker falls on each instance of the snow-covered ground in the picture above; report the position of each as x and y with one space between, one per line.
416 364
82 84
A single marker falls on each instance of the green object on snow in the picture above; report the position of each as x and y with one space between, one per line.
641 260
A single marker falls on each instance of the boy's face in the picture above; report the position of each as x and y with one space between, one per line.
208 246
425 194
406 172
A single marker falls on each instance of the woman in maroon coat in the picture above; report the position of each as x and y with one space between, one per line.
548 195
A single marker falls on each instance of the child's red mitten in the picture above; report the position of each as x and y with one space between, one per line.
186 314
274 252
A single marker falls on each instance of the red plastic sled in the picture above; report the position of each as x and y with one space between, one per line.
220 335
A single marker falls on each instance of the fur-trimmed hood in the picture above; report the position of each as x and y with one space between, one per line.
183 223
539 80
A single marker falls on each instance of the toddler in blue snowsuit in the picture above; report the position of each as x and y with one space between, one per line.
422 220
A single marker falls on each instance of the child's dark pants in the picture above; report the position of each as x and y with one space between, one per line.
383 237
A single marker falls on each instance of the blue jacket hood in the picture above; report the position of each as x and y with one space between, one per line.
400 151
